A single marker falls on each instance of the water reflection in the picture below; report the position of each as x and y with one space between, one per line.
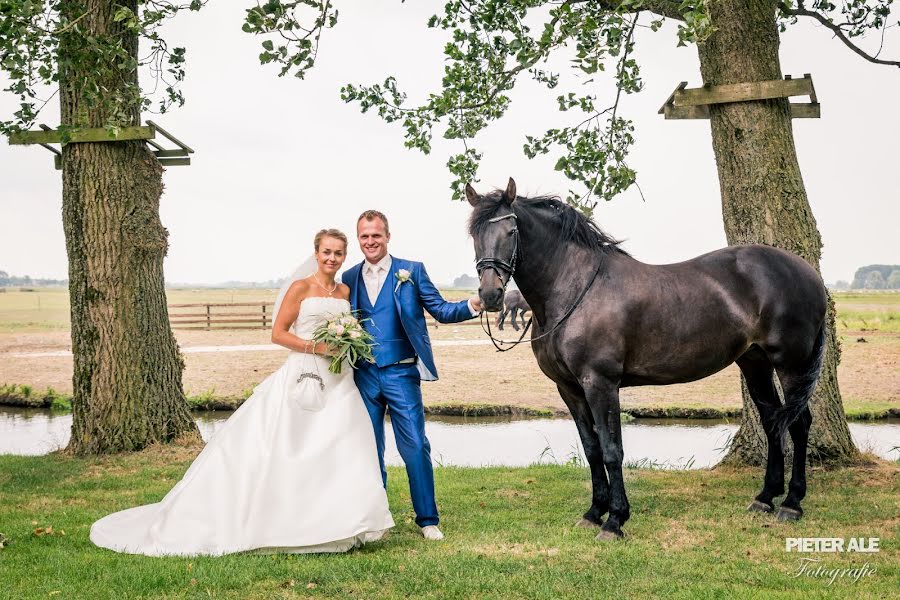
479 441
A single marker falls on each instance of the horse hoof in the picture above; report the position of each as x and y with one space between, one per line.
587 524
788 514
606 535
760 507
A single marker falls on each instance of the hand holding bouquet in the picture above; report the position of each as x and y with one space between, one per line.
345 334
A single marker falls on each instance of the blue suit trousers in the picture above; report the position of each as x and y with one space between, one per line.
397 388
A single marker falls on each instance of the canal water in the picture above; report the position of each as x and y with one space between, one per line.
486 441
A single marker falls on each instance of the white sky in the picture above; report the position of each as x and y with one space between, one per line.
278 159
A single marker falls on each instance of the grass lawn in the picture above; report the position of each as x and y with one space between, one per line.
509 535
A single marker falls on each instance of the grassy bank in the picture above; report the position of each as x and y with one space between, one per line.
25 397
509 535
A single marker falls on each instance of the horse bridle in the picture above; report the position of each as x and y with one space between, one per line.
498 264
509 268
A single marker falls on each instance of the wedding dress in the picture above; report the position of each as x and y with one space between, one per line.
275 477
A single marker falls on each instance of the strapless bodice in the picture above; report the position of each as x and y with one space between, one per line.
314 311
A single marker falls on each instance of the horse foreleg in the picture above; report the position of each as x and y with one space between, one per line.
501 316
573 396
603 399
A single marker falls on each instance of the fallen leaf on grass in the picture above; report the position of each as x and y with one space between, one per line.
288 584
3 541
310 586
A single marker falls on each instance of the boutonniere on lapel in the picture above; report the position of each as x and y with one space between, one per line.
402 277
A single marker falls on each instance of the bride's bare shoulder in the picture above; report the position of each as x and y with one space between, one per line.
299 289
343 291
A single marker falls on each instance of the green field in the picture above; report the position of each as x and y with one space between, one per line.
47 309
509 535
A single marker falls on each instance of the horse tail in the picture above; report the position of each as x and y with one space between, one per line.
795 403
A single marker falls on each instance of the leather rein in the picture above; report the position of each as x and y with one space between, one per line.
508 267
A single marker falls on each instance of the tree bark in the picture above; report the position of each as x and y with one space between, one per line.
127 390
764 200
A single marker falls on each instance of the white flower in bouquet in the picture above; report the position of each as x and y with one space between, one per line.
345 333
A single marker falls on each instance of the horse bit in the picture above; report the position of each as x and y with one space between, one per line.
509 267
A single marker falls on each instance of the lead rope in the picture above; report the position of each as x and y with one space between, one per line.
498 342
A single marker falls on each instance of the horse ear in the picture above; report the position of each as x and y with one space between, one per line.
510 191
471 195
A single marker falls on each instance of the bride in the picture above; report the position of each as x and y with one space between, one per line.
278 476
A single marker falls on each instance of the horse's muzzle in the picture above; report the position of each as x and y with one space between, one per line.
492 299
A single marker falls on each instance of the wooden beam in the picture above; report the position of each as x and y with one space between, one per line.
799 110
175 162
686 112
671 97
163 153
50 148
171 137
805 110
99 134
743 92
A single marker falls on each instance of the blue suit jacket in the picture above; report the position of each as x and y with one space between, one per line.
411 298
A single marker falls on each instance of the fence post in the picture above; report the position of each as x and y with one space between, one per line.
264 314
208 319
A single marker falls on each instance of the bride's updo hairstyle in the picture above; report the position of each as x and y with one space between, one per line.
332 233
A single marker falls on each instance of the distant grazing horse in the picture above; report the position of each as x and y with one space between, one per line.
513 305
604 320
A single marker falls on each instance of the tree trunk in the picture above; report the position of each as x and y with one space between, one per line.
127 390
764 200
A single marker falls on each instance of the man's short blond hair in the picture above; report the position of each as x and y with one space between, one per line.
371 215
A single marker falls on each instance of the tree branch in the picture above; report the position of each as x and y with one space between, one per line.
664 8
838 32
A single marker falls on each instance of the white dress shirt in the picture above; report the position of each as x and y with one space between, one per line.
374 276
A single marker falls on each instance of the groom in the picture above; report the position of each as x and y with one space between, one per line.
392 293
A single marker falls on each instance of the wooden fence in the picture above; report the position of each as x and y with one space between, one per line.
238 315
242 315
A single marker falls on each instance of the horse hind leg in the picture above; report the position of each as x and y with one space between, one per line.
798 382
790 509
758 371
515 313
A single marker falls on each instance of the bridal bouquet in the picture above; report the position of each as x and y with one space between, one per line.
345 332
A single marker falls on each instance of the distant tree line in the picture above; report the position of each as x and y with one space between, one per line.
7 280
466 282
873 277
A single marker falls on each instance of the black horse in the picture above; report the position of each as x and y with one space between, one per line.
604 320
514 305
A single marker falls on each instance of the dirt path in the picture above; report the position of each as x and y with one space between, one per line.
232 363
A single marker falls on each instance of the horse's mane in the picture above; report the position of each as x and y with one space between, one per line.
573 225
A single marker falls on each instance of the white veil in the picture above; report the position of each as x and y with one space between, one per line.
306 268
